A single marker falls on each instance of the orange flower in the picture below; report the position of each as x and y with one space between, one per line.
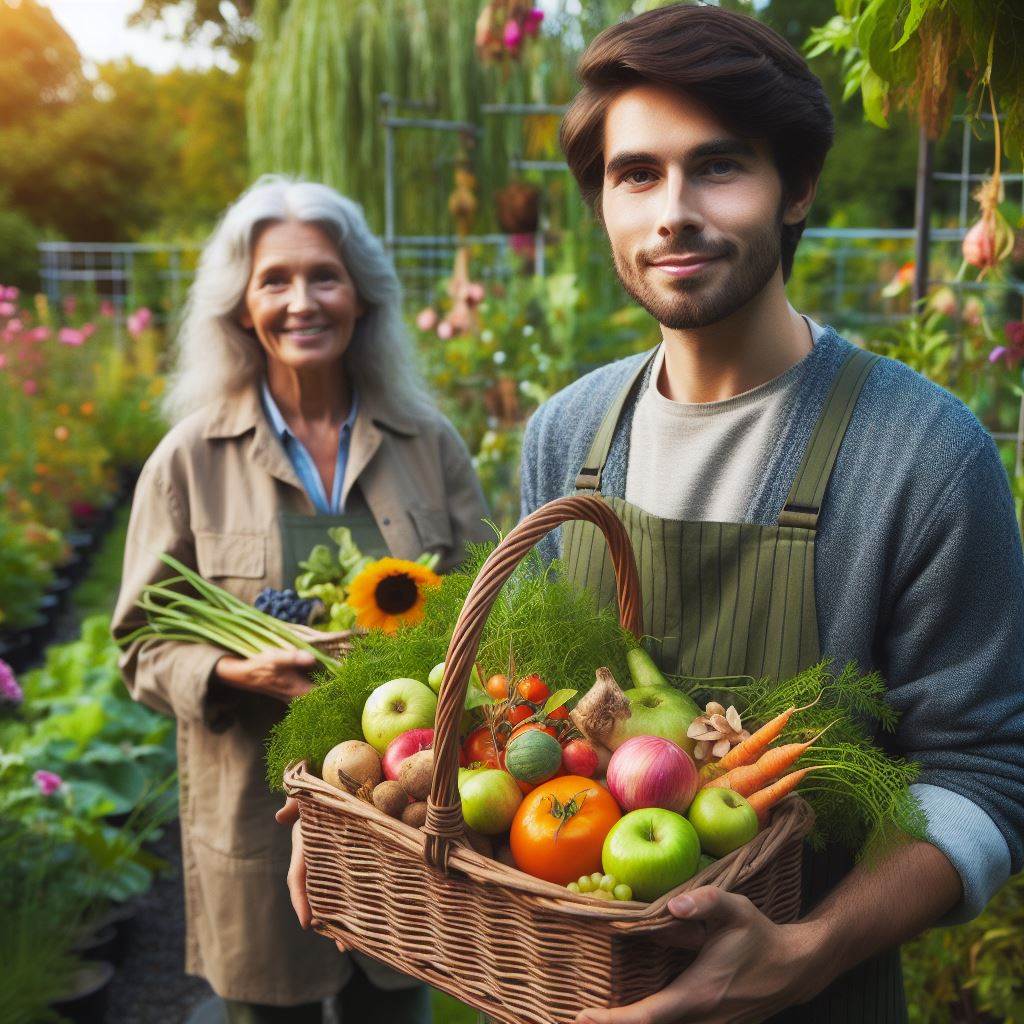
87 408
62 433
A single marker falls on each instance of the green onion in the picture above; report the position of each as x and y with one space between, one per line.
214 616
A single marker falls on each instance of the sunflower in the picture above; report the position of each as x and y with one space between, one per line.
390 593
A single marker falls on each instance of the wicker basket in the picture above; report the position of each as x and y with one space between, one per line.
516 947
334 644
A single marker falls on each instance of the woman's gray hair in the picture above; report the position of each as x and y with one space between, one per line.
216 357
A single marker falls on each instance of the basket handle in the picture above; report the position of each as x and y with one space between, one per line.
444 822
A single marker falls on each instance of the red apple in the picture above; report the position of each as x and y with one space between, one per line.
402 746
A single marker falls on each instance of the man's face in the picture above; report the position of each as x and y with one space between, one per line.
693 213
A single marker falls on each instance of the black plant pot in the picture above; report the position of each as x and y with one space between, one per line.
120 917
88 994
72 568
83 541
39 632
60 589
15 649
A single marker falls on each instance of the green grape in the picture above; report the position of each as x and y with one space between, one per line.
586 883
596 879
602 894
608 882
622 892
573 887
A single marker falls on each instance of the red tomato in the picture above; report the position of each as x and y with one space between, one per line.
518 713
532 688
561 714
479 748
497 687
550 730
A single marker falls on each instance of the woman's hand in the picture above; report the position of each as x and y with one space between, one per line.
289 815
282 673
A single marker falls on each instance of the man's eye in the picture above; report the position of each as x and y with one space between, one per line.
325 275
719 168
638 177
273 281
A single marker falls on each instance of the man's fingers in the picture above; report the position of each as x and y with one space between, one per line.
713 907
297 879
289 813
677 1003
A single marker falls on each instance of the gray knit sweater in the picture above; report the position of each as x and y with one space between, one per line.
918 573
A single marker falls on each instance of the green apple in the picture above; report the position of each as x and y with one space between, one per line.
490 799
436 677
652 851
722 819
657 711
396 707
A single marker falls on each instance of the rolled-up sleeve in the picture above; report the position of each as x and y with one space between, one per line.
954 656
172 677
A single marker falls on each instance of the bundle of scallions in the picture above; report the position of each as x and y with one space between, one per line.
214 617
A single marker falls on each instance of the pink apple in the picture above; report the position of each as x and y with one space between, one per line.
402 746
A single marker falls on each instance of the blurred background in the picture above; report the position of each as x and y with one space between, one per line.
127 127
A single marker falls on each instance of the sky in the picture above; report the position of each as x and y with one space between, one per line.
99 30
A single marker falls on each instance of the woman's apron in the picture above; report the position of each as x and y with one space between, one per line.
301 533
737 599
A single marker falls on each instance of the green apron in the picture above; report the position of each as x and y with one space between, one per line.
300 533
737 599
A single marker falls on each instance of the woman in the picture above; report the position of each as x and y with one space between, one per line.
296 408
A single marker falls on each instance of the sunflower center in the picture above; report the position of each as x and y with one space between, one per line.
396 594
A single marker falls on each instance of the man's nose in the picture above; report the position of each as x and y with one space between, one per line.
680 212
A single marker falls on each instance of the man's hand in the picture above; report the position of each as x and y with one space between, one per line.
289 815
281 673
748 967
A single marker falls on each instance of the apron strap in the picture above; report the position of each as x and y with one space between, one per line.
803 505
589 477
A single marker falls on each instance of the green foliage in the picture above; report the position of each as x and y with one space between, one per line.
979 965
25 571
539 623
918 54
19 239
861 793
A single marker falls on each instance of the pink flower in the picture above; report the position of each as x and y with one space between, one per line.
88 330
9 293
107 309
10 691
30 387
512 37
70 336
139 321
973 311
426 319
531 23
39 334
8 309
475 293
3 361
48 782
69 305
445 331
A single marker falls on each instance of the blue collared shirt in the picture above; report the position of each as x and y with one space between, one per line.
303 461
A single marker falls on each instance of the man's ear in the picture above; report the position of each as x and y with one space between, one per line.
798 205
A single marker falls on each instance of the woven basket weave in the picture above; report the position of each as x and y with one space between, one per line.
336 644
516 947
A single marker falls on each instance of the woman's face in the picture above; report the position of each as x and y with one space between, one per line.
300 300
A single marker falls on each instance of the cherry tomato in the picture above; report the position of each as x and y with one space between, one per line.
479 748
561 714
518 713
527 726
532 688
497 687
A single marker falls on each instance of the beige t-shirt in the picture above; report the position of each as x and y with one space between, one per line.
702 461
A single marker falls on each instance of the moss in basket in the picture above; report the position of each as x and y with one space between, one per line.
547 625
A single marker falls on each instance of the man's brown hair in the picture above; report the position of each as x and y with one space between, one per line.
742 71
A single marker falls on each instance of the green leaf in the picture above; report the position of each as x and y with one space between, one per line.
918 9
557 699
873 94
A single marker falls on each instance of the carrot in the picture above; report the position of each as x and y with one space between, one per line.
757 743
749 778
765 799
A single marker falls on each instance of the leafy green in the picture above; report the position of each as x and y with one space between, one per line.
539 623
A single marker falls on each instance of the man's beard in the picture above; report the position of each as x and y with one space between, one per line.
694 303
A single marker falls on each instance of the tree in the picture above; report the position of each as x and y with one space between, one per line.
227 24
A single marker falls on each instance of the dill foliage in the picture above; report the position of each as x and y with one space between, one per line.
539 623
860 794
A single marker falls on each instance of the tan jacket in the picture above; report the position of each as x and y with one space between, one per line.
209 495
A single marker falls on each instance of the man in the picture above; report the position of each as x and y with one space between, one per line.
789 498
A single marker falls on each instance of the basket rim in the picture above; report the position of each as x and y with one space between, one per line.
792 815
